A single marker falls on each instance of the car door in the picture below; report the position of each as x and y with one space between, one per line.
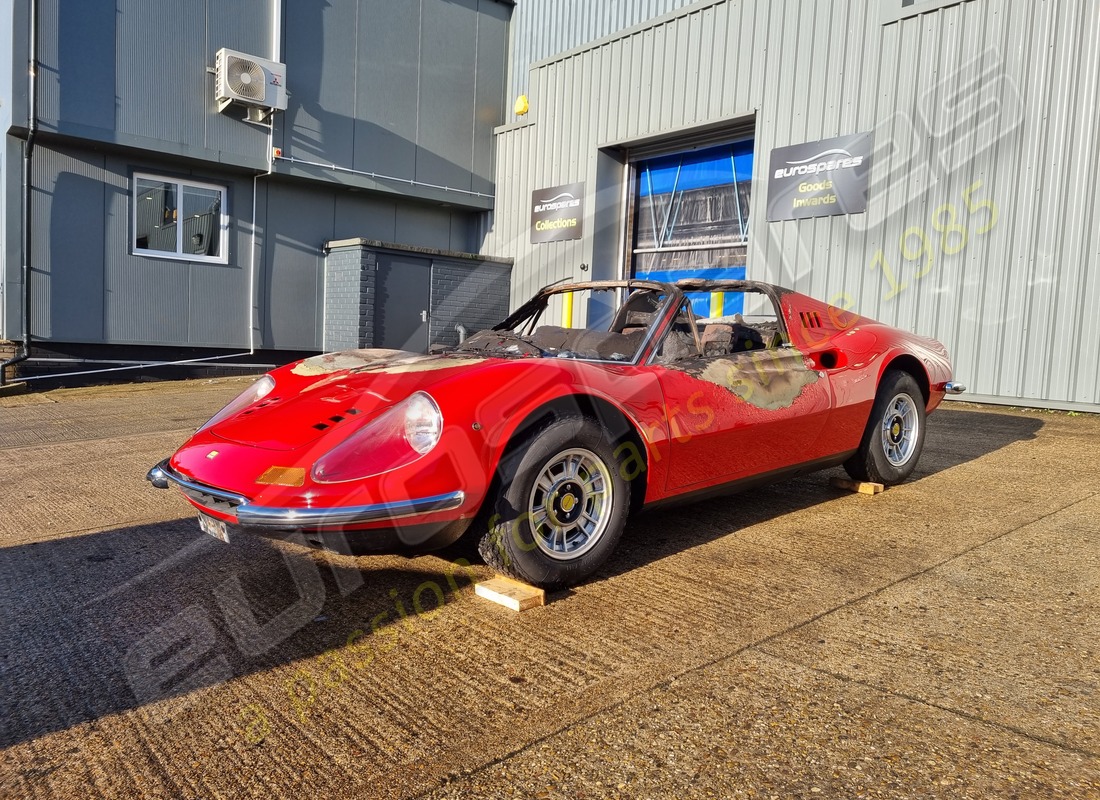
733 415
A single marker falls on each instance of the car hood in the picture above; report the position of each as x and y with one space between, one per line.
317 396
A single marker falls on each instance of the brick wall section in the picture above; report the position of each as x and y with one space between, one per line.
466 290
349 298
470 293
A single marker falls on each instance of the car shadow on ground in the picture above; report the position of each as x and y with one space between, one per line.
107 622
953 437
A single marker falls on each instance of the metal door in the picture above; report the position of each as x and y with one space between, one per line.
402 296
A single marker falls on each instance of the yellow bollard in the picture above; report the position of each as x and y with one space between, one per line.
567 310
717 303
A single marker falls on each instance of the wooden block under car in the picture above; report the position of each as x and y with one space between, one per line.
511 593
863 487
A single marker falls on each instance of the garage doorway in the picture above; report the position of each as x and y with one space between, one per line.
690 218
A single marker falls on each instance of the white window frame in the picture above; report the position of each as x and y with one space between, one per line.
180 255
893 10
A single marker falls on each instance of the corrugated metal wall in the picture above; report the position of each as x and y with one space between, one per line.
542 28
983 226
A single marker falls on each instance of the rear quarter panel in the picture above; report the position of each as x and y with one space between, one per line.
864 350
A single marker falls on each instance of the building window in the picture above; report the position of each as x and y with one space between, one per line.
691 216
179 219
893 10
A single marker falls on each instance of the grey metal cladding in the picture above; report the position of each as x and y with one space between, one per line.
159 69
448 58
217 304
294 265
83 51
492 54
321 50
88 288
136 72
67 282
407 90
385 131
1016 306
361 215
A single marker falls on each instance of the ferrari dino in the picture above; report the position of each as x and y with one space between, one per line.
545 439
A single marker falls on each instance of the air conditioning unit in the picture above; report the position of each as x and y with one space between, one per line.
249 81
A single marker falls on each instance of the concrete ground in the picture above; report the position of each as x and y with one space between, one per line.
938 640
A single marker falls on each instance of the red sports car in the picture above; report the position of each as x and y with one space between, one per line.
544 439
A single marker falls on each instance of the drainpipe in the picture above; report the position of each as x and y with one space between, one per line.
461 332
276 55
28 152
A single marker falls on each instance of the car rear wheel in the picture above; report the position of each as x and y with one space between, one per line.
560 507
894 437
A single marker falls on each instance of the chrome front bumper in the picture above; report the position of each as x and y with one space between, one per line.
162 475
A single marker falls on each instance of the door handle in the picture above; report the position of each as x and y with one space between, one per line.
424 316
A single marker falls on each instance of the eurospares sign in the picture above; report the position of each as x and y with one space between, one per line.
820 179
557 213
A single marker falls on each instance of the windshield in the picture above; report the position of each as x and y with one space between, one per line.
600 324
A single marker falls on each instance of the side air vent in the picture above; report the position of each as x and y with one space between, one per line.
810 319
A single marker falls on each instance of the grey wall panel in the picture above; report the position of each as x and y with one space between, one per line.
424 226
160 70
217 304
386 92
8 59
67 279
361 97
321 44
410 91
448 59
492 54
10 260
360 215
981 104
69 42
300 221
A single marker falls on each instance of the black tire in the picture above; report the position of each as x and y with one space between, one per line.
555 528
894 437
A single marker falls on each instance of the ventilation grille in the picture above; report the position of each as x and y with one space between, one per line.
810 319
334 419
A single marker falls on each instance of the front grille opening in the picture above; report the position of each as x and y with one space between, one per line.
207 500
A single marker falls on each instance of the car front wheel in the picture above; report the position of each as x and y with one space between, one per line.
560 507
894 437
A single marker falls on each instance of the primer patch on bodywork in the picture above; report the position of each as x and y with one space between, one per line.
769 379
377 360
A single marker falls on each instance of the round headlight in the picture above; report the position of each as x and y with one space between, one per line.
395 438
423 423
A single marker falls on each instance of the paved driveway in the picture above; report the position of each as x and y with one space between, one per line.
938 640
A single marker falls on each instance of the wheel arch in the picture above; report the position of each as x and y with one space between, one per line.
905 362
620 427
